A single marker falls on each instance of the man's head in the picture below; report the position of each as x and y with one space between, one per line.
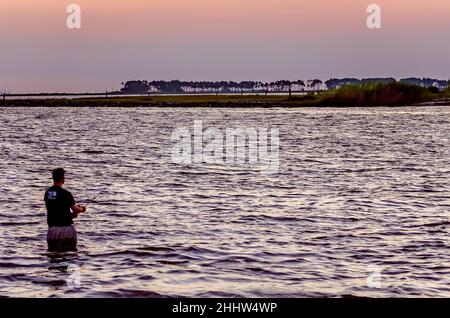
58 176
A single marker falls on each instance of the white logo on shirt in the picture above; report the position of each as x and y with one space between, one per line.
51 195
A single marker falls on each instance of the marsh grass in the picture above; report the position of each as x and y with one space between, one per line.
446 93
391 94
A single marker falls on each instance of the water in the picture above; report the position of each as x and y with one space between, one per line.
360 207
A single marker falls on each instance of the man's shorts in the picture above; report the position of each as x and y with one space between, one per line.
62 239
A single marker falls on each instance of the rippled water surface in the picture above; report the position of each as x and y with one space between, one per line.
360 207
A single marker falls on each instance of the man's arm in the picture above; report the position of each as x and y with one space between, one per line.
77 209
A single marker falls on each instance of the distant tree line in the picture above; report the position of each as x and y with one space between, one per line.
176 86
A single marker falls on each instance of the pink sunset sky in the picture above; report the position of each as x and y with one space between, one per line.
216 40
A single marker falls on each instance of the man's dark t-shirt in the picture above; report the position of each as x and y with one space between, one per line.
58 202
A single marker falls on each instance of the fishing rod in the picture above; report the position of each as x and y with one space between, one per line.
104 189
101 192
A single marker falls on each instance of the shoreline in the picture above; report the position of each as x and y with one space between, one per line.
199 101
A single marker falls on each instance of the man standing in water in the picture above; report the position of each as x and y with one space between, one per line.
61 210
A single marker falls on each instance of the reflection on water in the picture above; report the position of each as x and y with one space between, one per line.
361 194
